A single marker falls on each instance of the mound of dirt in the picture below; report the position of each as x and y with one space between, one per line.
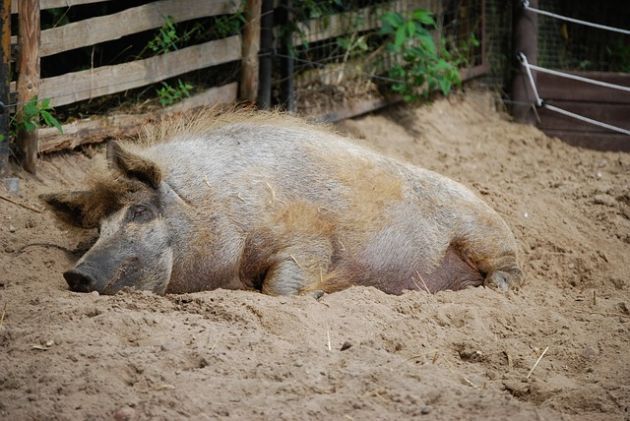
558 348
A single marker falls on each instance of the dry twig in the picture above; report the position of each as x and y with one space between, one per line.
421 280
4 311
328 336
295 260
536 363
21 204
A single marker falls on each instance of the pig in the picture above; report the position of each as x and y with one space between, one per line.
267 202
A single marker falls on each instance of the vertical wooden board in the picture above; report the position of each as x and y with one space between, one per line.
251 46
28 75
5 57
525 37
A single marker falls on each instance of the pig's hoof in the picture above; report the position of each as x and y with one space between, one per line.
317 294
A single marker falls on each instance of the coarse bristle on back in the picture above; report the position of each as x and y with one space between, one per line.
203 121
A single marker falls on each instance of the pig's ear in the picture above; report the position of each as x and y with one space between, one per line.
76 208
133 166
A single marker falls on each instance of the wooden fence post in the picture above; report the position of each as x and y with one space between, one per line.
5 56
28 75
266 54
288 64
525 41
251 46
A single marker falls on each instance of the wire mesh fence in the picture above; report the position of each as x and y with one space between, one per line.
499 47
340 55
570 46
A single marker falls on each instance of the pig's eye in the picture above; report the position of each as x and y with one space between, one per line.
139 213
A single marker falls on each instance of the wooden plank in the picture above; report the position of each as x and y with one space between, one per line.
226 94
130 21
28 76
53 4
361 20
119 126
557 88
615 114
86 84
353 109
251 46
364 19
336 25
5 60
596 141
474 72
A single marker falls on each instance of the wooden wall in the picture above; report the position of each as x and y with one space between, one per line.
105 80
603 104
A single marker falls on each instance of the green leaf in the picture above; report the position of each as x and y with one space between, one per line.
423 16
29 126
362 44
344 42
400 38
442 65
393 19
445 85
411 29
30 108
45 104
426 41
50 120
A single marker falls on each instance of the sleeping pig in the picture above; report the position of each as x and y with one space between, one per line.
268 202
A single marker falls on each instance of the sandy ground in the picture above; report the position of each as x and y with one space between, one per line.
358 354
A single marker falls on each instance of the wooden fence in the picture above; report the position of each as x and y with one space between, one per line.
34 43
602 104
596 102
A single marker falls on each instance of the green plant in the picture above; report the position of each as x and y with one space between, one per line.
315 9
166 39
35 114
169 39
459 53
352 44
422 68
227 25
169 95
618 55
304 11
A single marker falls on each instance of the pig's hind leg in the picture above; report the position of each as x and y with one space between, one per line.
487 242
301 237
298 269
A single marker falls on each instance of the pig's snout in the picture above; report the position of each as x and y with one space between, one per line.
80 280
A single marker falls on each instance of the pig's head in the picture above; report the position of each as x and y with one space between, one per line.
129 207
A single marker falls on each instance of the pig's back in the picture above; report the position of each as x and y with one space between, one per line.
255 164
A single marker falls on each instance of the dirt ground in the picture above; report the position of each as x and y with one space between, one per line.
357 354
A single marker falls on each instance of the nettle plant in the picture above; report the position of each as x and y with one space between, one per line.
35 113
422 67
169 95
